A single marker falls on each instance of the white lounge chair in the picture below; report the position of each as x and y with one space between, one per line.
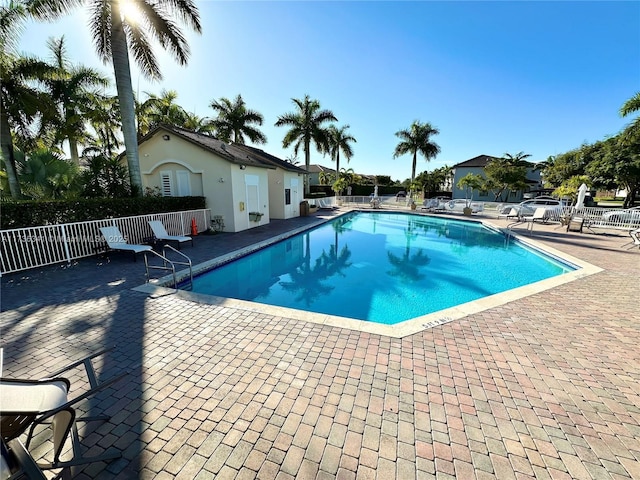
161 233
539 215
324 204
115 240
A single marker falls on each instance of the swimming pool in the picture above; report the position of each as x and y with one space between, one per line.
382 267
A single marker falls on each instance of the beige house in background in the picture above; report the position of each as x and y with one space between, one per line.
236 180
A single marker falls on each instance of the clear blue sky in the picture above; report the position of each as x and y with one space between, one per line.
493 77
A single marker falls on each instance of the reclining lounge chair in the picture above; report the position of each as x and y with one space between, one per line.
115 240
161 233
325 204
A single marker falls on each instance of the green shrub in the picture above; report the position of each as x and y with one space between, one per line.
33 213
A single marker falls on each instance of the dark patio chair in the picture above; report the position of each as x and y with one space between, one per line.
29 404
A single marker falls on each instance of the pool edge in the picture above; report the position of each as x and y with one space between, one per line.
398 330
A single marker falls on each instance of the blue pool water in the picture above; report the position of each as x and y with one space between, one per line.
381 267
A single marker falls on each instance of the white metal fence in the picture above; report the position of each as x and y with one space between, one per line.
598 217
595 217
25 248
368 202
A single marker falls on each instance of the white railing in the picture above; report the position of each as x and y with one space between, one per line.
367 202
25 248
595 217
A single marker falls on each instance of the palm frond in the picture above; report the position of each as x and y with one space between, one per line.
12 16
631 105
160 26
142 51
100 28
187 12
51 9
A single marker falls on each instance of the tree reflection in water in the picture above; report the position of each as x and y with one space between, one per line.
307 280
408 266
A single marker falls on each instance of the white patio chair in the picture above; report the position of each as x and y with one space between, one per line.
115 240
161 233
324 204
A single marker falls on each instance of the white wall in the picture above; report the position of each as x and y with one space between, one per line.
222 183
279 181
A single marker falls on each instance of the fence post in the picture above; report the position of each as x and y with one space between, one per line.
65 243
182 223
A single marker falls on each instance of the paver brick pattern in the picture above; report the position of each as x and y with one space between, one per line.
545 387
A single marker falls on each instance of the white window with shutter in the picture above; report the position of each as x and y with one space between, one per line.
166 183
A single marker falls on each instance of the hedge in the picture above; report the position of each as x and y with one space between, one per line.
33 213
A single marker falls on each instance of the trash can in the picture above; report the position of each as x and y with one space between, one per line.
304 208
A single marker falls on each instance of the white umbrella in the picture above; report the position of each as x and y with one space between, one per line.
582 192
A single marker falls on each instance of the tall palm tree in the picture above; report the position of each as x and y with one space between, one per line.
20 101
114 34
340 141
70 89
234 121
416 139
306 126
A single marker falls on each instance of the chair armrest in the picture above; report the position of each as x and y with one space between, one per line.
70 403
36 382
88 366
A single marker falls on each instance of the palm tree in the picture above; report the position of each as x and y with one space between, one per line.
408 266
234 121
105 122
163 109
339 141
20 101
416 139
326 178
43 174
114 34
630 106
306 126
507 174
199 124
517 160
69 90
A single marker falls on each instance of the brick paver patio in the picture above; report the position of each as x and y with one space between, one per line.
545 387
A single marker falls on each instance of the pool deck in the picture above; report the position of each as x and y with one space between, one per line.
546 386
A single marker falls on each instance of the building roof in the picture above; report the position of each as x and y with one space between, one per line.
317 168
479 161
268 158
234 153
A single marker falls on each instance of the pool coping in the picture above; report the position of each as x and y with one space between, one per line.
399 330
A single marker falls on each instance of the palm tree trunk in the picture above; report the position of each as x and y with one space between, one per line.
73 150
307 163
338 165
122 71
413 167
7 153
